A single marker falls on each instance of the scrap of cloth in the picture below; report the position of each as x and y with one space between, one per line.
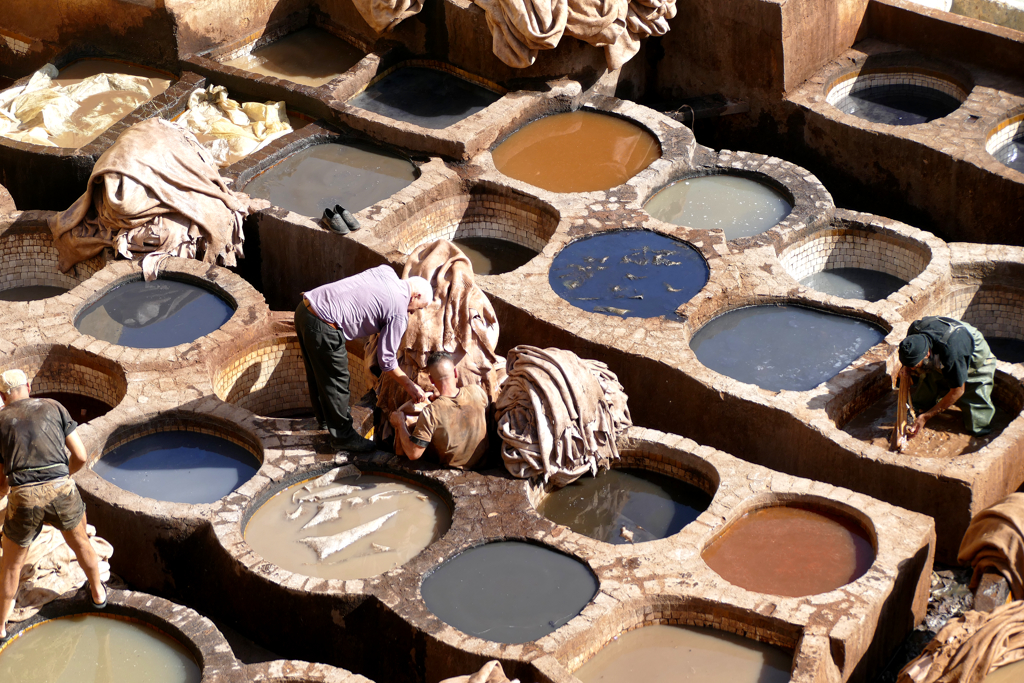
460 320
384 15
156 191
970 647
44 113
995 540
229 130
490 673
559 415
51 568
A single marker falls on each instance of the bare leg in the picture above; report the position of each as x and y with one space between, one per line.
10 571
78 539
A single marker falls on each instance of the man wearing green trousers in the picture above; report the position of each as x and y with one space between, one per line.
950 363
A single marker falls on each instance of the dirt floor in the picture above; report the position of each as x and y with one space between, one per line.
943 436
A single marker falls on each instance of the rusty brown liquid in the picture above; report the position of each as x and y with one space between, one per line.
791 551
310 57
577 151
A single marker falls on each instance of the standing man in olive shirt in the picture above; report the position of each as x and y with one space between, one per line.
37 481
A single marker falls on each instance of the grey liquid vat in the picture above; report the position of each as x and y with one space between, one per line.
628 273
154 315
854 283
31 293
425 97
178 467
898 105
648 505
783 347
509 592
353 174
1012 154
739 206
492 256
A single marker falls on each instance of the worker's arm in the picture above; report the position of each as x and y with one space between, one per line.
948 400
411 387
403 438
78 455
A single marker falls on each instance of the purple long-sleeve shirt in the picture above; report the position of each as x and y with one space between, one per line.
376 300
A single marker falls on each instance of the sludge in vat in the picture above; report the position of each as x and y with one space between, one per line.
1011 673
1006 348
31 293
783 347
178 466
154 315
493 256
580 151
424 97
791 551
81 408
854 283
628 273
353 174
351 528
667 654
509 591
740 206
310 56
647 505
91 647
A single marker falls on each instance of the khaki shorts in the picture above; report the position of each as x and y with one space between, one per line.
29 507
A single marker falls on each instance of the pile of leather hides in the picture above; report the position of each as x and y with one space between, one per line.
490 673
44 113
522 28
52 569
230 130
460 320
995 540
156 191
558 415
970 647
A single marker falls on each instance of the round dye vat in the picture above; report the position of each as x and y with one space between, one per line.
900 104
340 535
96 648
310 56
1011 673
578 151
81 408
424 97
509 592
31 293
646 504
854 283
1012 154
154 315
670 654
178 466
354 175
783 347
491 256
628 273
791 551
739 206
1006 348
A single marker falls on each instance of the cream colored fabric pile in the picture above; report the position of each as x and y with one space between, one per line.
995 540
156 191
559 415
52 569
490 673
44 113
970 647
229 130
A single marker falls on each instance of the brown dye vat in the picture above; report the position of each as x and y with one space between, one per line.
942 437
578 151
492 256
791 551
81 408
82 69
310 57
31 293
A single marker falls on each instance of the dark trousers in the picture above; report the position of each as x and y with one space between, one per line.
326 360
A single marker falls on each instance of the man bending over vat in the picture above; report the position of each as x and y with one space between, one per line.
950 363
453 424
37 480
373 301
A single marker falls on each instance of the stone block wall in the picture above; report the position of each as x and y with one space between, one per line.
848 248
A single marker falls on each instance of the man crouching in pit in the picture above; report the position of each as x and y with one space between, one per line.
36 469
453 424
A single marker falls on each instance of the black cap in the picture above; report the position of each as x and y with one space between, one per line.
913 349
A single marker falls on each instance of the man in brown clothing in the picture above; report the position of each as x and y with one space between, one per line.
453 424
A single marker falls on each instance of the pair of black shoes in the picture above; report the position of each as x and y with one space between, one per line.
340 220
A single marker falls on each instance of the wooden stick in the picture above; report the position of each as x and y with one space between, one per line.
898 440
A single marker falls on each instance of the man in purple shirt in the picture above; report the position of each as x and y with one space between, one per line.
376 300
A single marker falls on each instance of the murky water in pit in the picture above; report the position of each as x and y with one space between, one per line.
413 518
425 97
854 283
898 105
739 206
578 151
96 648
81 408
31 293
670 654
1012 154
1006 348
492 256
311 56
